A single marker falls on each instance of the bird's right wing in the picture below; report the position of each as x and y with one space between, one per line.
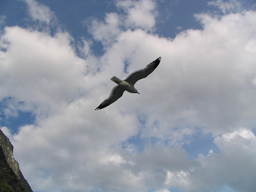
140 74
115 94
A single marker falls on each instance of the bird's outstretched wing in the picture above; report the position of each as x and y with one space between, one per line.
140 74
115 94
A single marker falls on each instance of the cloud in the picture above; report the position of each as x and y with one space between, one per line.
232 167
46 74
134 14
107 31
156 161
83 137
227 6
206 80
40 12
139 14
163 190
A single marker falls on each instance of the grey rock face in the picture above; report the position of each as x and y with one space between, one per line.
11 178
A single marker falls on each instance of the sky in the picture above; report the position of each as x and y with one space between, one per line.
191 129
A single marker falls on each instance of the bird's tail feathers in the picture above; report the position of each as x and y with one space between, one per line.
116 80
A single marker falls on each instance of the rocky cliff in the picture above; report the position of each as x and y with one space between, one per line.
11 178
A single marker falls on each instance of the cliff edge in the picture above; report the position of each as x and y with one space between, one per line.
11 178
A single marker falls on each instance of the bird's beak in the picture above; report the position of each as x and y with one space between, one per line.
138 92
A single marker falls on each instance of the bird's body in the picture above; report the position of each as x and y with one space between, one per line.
128 83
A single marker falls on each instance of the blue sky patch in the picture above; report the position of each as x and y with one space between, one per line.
199 143
13 118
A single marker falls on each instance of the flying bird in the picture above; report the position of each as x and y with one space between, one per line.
128 83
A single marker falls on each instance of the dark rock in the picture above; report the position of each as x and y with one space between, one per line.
11 178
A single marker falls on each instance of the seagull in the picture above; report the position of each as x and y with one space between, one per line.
128 83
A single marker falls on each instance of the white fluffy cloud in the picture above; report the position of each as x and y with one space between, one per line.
107 31
135 15
139 13
206 79
73 150
41 70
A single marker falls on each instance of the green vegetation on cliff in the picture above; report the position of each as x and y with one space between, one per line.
5 187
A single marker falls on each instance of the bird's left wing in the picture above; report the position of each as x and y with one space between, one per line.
140 74
115 94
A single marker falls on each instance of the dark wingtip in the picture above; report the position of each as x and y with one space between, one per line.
101 106
97 108
156 62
